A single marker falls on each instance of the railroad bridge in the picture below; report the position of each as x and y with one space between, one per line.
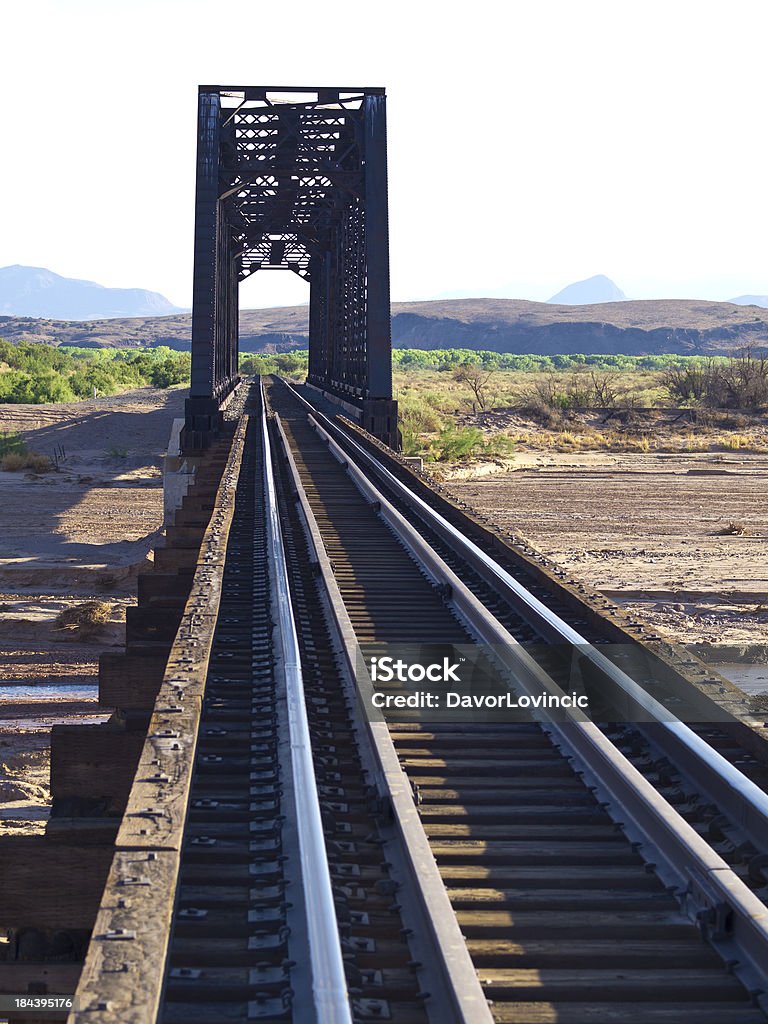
249 837
294 179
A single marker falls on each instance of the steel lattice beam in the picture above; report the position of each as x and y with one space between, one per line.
294 178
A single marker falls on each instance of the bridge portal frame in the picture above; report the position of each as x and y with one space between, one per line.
294 177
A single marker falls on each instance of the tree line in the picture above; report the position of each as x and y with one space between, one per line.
32 373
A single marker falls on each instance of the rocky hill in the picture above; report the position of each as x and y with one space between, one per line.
505 325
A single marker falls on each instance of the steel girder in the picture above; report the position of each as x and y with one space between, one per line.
294 178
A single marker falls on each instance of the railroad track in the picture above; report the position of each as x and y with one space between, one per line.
474 870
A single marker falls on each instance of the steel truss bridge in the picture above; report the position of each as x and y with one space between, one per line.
294 179
265 828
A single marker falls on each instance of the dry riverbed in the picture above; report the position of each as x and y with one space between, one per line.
679 539
78 534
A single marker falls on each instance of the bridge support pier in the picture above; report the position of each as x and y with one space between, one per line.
380 419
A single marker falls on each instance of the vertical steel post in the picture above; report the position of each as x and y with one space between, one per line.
201 414
379 410
379 336
206 238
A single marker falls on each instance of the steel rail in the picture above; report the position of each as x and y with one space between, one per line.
455 991
746 803
329 984
712 895
125 973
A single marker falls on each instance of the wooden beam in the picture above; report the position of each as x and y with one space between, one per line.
184 536
168 559
82 831
96 762
164 589
41 979
50 885
151 623
130 680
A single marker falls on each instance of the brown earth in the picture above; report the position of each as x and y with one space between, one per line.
81 533
679 539
646 528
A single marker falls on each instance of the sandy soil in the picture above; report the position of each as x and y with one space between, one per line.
645 528
77 534
648 530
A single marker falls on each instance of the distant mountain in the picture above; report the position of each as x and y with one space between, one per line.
750 300
34 291
639 327
584 293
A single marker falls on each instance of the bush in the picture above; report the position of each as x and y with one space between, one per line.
478 379
733 529
457 443
287 364
169 371
117 451
737 382
418 416
39 463
12 462
85 619
557 392
499 444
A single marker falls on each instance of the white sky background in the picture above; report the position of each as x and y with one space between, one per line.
531 144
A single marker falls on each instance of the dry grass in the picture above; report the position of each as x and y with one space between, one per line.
649 440
87 619
434 405
733 530
13 462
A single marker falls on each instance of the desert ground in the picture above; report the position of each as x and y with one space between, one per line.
679 539
677 536
77 534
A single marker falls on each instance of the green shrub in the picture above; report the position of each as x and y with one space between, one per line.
412 443
499 444
41 373
11 441
287 364
455 443
418 415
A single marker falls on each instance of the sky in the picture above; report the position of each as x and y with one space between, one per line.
532 143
